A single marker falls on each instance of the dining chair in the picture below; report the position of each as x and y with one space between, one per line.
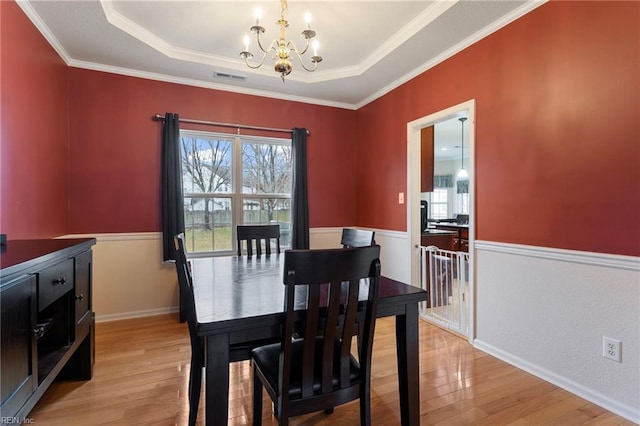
185 284
259 234
357 238
317 371
237 352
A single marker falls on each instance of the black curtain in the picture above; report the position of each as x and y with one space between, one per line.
299 193
172 199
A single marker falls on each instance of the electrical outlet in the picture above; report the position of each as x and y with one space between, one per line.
612 349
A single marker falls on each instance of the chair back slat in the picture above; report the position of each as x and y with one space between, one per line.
258 234
330 334
289 309
348 330
309 346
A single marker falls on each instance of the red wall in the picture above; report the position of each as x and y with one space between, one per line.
115 148
557 141
557 137
33 165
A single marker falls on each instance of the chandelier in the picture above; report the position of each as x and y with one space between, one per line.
283 49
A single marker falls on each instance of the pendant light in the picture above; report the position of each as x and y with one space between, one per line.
462 174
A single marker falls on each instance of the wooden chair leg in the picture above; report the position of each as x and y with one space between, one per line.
282 412
195 384
257 399
365 406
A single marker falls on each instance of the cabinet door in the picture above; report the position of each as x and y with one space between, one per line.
18 344
83 265
426 159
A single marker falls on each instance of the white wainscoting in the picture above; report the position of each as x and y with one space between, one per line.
542 310
546 311
130 280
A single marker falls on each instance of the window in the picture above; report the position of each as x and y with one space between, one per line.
230 180
439 203
462 196
463 203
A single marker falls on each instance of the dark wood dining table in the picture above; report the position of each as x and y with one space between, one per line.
241 300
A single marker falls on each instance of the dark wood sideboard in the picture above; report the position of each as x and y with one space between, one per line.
47 326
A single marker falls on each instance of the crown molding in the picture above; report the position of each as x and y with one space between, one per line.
507 19
44 29
204 84
130 27
138 32
123 23
425 18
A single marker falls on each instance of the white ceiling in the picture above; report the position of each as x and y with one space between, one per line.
368 47
447 138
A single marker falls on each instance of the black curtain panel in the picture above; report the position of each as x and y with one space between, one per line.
299 192
172 199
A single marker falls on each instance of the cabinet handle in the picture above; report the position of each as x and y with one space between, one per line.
41 328
60 281
38 331
80 296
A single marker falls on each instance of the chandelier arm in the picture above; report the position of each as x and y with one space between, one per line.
260 44
259 64
315 63
292 47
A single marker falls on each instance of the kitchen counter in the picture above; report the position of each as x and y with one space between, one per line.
441 225
433 231
461 240
440 238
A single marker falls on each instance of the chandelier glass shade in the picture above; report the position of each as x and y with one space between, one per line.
283 50
462 174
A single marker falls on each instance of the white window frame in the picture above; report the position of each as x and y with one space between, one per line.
236 195
433 204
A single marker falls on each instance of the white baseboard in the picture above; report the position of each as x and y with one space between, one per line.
628 412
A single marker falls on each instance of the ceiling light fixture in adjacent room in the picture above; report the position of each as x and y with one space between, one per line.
462 174
282 48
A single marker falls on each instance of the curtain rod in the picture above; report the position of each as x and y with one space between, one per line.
159 117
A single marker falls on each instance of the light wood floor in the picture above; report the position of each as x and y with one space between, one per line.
142 366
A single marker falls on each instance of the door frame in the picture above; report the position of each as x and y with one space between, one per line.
413 194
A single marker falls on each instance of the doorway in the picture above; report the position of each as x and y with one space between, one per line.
466 109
